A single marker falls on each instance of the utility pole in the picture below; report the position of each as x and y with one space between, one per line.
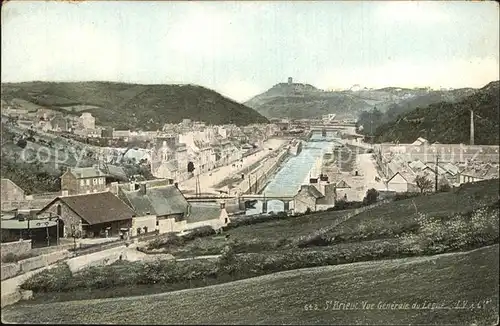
249 184
436 173
471 127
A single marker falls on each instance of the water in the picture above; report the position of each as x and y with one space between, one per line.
294 172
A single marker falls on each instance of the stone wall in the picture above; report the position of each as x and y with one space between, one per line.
148 221
26 265
30 264
264 175
100 258
10 270
17 248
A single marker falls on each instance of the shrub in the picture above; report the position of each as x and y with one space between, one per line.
405 195
370 197
166 240
52 280
444 187
202 231
459 232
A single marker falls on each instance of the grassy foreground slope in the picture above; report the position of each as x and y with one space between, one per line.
461 287
124 106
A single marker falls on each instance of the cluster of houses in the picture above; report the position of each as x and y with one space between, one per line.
89 205
93 203
454 163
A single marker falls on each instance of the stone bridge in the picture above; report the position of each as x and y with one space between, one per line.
266 198
245 198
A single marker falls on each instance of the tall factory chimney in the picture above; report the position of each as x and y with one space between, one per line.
471 127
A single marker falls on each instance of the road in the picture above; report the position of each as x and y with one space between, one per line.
368 169
209 179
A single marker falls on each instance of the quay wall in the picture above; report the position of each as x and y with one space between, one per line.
264 176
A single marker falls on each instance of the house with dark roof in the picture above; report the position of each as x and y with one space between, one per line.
90 215
165 201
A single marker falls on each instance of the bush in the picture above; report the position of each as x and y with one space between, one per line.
341 205
202 231
460 232
370 197
52 280
444 187
406 195
166 240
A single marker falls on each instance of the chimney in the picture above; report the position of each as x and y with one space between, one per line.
142 189
471 127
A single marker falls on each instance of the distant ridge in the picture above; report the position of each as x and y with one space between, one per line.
296 100
448 122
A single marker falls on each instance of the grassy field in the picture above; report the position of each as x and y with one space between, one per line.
260 237
392 219
448 289
387 221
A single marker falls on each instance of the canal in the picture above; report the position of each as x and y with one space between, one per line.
295 171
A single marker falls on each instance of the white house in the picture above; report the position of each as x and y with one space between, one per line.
402 182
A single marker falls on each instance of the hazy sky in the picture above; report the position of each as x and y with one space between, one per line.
243 48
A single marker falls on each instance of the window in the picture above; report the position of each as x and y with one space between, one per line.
101 181
82 182
88 182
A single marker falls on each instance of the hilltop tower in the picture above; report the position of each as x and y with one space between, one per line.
290 80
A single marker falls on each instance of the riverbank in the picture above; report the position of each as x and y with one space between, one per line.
232 172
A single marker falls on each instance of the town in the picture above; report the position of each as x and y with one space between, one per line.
261 163
194 166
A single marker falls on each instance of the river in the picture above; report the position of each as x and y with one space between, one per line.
295 171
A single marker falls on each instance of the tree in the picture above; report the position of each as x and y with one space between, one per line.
371 196
423 183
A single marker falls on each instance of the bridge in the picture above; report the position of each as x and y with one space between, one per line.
248 197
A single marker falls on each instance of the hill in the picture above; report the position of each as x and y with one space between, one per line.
440 285
448 122
126 106
299 101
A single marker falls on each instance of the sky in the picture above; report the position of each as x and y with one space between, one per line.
241 49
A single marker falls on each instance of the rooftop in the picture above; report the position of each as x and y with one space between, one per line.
96 208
